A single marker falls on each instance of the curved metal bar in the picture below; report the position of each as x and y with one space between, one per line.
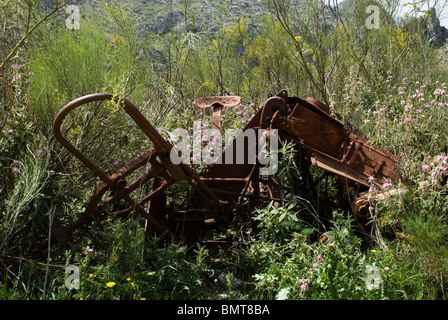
271 106
112 183
57 123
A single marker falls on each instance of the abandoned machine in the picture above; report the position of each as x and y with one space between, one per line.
347 166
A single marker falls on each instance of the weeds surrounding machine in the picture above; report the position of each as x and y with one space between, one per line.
349 166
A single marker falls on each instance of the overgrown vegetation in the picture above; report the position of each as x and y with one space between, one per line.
390 82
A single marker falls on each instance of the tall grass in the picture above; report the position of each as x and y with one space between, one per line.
30 172
67 65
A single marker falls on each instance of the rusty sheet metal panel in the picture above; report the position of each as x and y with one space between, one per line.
333 148
314 128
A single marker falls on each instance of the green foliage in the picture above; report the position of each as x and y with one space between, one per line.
67 65
336 269
389 82
131 268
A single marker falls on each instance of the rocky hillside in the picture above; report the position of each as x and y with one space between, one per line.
157 16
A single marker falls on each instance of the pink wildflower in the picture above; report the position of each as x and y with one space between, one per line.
304 284
387 185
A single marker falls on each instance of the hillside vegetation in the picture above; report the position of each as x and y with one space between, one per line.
390 82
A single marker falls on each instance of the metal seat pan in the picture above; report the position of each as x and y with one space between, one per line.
226 101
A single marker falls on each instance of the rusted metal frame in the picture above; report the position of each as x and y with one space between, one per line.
349 157
78 154
131 187
337 167
228 181
141 201
318 154
272 106
376 159
163 147
114 185
287 126
216 117
156 207
346 149
224 181
92 206
315 127
356 145
163 186
137 207
248 180
93 211
254 170
341 169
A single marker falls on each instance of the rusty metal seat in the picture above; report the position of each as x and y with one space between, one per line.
226 101
217 102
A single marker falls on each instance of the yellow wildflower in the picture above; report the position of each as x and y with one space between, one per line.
110 284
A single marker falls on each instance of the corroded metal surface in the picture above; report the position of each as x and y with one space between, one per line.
217 103
334 148
226 101
220 194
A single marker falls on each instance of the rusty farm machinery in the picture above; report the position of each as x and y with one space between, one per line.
231 189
